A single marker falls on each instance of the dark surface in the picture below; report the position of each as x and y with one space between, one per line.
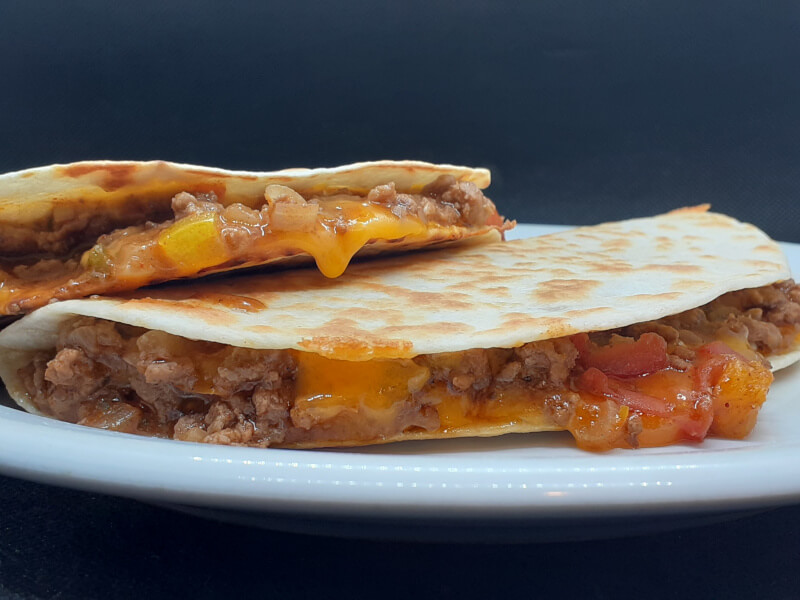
100 547
585 111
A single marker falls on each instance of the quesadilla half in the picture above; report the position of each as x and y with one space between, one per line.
639 333
70 231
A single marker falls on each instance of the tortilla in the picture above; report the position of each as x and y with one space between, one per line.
475 340
69 231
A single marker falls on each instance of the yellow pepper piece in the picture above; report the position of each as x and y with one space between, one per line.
96 260
194 243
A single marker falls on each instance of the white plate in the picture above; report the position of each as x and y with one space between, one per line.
536 482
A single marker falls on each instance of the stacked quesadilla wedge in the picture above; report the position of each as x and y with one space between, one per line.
69 231
638 333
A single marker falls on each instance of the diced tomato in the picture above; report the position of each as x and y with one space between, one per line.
624 358
599 424
718 348
710 363
720 394
695 425
737 385
596 382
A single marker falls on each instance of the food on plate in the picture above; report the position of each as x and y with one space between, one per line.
70 231
639 333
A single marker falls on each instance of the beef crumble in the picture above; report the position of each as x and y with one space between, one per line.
129 257
445 202
72 227
766 318
140 381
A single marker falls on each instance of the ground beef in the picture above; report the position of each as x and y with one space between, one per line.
755 315
227 426
130 379
560 407
75 377
352 425
45 269
546 364
272 406
73 227
762 334
445 201
37 262
541 365
120 377
470 370
99 362
400 204
244 369
467 198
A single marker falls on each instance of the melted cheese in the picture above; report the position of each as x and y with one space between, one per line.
199 243
345 225
379 389
324 388
507 408
741 392
333 246
339 401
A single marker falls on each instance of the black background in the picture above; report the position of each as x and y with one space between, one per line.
585 111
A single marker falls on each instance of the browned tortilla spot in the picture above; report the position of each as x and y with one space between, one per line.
500 291
678 268
262 329
497 295
442 328
760 264
616 244
115 176
559 289
688 284
661 296
191 309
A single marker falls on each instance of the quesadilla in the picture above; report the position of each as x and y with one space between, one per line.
70 231
639 333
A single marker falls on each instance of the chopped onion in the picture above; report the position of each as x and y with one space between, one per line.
275 194
293 217
115 415
240 213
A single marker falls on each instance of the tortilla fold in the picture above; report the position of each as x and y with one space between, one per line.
102 227
398 334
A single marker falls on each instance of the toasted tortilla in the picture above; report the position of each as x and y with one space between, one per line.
52 214
502 295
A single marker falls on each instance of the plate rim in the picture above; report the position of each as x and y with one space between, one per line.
357 483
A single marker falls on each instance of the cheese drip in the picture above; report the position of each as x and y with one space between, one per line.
343 227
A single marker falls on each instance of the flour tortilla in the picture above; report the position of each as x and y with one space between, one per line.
473 296
30 196
130 193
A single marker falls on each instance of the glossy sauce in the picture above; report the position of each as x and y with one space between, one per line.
195 244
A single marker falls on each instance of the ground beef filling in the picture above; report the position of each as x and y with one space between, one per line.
72 227
444 202
766 319
139 381
203 233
